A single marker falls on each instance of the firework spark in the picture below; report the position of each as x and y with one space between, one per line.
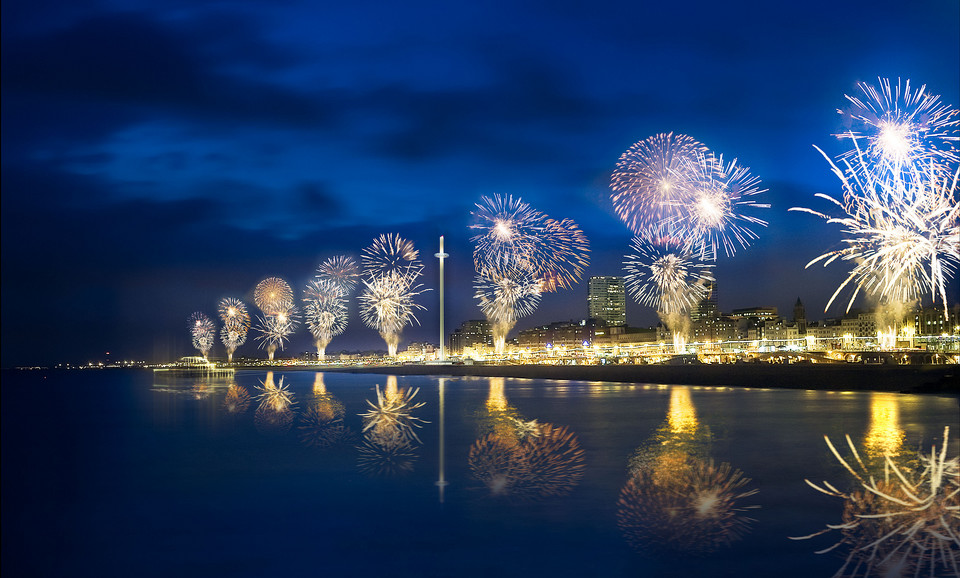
202 332
273 295
326 312
907 523
236 324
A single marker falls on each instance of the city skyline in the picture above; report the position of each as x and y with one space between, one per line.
159 158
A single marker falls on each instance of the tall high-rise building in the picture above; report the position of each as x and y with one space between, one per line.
707 307
607 300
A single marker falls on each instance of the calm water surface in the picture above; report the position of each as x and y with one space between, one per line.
118 473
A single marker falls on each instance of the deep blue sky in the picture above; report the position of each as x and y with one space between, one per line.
157 156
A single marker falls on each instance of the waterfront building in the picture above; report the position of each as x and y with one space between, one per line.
607 300
474 334
859 324
560 334
623 336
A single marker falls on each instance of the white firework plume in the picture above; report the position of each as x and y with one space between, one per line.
325 309
236 324
391 256
506 295
203 332
275 330
386 304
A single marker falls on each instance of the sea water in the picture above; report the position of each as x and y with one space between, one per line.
123 473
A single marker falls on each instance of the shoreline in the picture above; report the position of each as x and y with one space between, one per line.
939 379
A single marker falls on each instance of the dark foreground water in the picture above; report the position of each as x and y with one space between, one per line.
119 473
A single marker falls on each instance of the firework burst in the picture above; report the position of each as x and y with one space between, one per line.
386 304
900 125
273 295
506 295
340 270
275 330
391 255
903 524
667 275
326 312
203 332
649 183
901 214
236 324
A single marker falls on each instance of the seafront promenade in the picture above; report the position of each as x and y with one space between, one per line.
941 379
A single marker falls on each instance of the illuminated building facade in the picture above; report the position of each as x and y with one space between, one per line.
607 300
474 333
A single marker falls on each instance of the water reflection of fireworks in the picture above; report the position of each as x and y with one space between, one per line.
907 523
541 461
393 411
692 507
386 455
274 415
321 426
237 399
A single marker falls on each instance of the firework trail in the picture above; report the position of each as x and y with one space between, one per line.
236 324
519 253
273 295
325 309
275 329
903 522
669 276
900 126
202 332
391 269
900 217
340 270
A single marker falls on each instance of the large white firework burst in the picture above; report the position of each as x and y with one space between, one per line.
236 324
275 330
273 295
341 270
387 305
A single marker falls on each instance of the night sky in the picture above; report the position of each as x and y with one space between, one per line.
158 156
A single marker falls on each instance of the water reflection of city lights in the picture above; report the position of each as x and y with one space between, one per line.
903 523
885 436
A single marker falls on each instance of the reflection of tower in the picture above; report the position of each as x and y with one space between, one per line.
607 300
800 317
441 482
